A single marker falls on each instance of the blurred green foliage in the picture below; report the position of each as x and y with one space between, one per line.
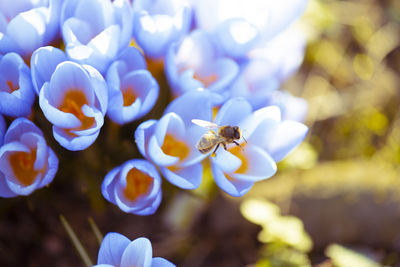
343 182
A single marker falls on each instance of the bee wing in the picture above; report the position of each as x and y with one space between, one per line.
205 124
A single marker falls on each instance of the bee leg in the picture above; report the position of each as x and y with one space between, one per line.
215 150
236 143
224 146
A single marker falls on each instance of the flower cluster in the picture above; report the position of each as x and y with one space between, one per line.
86 62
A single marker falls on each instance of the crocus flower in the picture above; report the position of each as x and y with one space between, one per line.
132 90
159 23
292 108
75 102
26 25
170 143
135 187
26 162
196 63
117 250
16 91
269 140
95 38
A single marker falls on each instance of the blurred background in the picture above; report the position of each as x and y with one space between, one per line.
335 200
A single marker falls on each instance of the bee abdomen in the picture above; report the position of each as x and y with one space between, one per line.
204 145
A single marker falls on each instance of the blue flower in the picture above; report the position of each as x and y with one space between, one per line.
75 102
269 140
170 143
196 63
26 162
16 91
95 31
159 23
135 187
26 25
132 90
117 250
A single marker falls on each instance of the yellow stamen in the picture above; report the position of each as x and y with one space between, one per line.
175 148
137 183
73 103
22 165
11 86
129 96
238 152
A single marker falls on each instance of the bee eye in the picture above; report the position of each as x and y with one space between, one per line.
237 134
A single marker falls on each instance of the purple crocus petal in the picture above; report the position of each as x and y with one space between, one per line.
235 188
43 63
186 178
226 161
142 135
3 127
100 88
73 143
96 40
269 116
268 16
170 122
4 188
159 23
233 112
200 103
137 253
26 30
130 59
19 127
287 136
28 26
151 207
108 185
111 249
236 37
103 265
292 108
161 262
16 91
52 169
259 165
195 62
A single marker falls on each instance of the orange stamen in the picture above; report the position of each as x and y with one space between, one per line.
11 86
137 183
129 96
206 80
73 103
22 165
238 152
174 148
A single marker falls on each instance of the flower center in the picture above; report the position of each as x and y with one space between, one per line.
238 152
10 87
73 103
128 96
22 165
137 183
174 148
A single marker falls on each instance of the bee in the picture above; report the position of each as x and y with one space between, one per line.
224 135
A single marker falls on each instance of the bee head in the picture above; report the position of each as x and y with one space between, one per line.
236 132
